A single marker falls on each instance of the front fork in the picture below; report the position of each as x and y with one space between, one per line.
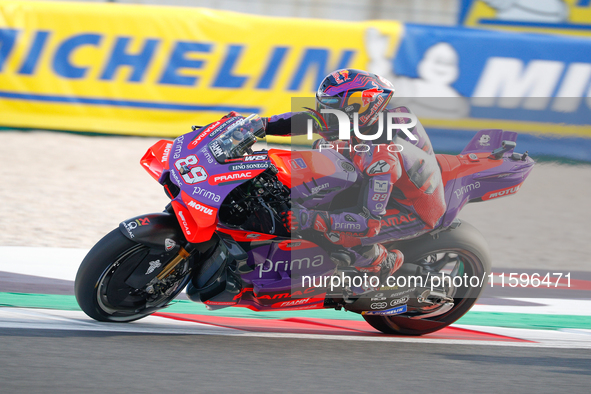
168 268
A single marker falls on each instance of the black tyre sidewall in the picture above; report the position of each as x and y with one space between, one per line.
465 238
98 259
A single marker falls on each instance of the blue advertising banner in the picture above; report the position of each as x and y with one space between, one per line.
153 71
572 17
530 83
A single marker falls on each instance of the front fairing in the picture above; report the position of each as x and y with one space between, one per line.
204 182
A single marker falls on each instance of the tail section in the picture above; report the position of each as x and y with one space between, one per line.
487 168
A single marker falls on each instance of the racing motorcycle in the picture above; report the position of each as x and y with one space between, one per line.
222 236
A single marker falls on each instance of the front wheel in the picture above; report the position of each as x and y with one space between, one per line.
461 252
101 289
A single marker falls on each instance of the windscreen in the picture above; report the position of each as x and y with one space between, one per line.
237 139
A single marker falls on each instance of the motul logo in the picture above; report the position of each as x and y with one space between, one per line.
166 153
201 208
501 193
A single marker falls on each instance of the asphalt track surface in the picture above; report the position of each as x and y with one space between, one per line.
36 361
97 357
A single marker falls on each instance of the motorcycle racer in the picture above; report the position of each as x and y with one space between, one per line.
401 184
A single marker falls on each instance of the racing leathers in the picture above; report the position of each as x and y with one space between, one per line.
401 195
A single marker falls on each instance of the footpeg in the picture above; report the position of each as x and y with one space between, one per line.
433 297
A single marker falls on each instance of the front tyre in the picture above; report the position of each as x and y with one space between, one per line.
100 286
461 251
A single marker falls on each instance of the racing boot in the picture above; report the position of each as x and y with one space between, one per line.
379 262
391 264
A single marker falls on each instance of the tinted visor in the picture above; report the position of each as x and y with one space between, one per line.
330 122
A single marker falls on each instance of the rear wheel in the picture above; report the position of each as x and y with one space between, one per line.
461 252
100 286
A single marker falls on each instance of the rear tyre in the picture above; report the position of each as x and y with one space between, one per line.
100 285
466 249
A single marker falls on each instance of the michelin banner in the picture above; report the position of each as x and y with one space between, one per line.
540 16
118 68
147 70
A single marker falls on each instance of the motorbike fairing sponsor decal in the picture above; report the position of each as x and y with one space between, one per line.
296 263
248 166
190 172
204 194
175 178
388 312
197 225
222 127
312 302
187 223
153 265
502 192
285 296
232 177
484 140
399 301
216 149
203 214
297 164
169 244
378 297
200 207
178 147
288 295
155 230
133 224
319 188
466 189
193 144
488 140
255 158
378 305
